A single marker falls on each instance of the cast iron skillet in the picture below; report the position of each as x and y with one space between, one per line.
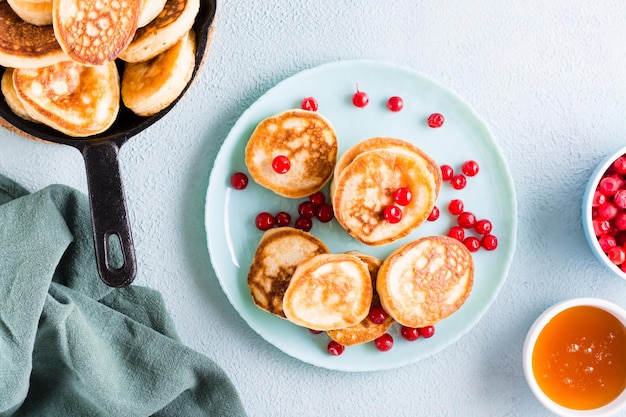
100 153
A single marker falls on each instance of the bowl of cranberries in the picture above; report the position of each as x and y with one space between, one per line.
604 212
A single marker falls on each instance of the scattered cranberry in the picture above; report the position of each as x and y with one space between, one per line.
489 242
427 331
617 255
283 219
307 209
309 103
360 98
466 220
456 206
472 243
395 103
335 348
317 198
409 333
446 172
315 331
264 221
458 182
402 196
325 213
483 226
384 342
607 242
281 164
303 223
377 315
470 168
457 232
435 120
239 180
434 214
392 214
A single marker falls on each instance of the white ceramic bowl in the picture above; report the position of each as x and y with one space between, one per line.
587 219
609 409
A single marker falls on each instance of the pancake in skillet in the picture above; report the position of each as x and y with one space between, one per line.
329 292
150 9
10 96
278 254
150 86
174 21
36 12
309 143
93 32
23 45
75 99
426 280
364 189
366 330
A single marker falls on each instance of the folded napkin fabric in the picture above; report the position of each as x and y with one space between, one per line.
70 345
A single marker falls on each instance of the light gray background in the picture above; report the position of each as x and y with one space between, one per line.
547 77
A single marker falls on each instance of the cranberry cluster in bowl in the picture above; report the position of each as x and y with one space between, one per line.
604 212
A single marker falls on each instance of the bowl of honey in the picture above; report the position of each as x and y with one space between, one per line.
574 358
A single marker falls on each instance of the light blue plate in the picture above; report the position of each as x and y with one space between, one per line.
229 216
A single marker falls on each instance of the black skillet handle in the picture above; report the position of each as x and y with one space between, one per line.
109 214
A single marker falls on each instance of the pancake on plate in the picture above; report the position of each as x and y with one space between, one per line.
329 292
424 281
278 254
150 86
308 142
75 99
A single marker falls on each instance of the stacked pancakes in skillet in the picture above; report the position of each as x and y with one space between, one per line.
293 274
62 59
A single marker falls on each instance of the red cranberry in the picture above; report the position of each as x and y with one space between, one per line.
264 221
309 103
392 214
335 348
617 255
409 333
315 331
456 206
620 165
483 226
446 172
608 210
306 209
360 98
489 242
619 222
377 315
598 199
283 219
384 342
466 220
472 243
620 198
427 331
609 185
435 120
607 242
325 213
602 226
434 214
402 196
458 182
470 168
457 232
304 224
281 164
395 103
317 198
239 180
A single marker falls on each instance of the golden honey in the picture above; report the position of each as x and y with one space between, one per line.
579 359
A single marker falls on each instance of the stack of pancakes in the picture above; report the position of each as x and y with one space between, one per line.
60 59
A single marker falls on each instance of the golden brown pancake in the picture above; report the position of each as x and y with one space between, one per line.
75 99
365 188
278 254
174 21
426 280
150 9
13 101
94 32
23 45
308 141
36 12
150 86
366 330
329 292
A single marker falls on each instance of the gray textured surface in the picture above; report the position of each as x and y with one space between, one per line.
548 77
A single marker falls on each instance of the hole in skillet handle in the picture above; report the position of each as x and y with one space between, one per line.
100 153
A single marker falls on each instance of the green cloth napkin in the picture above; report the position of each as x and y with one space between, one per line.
70 345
